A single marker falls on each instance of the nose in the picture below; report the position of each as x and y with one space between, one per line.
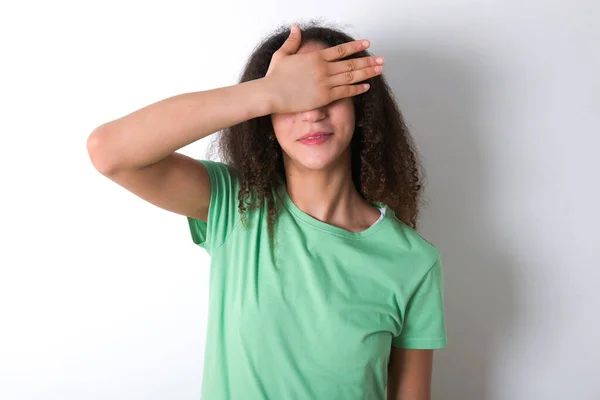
315 114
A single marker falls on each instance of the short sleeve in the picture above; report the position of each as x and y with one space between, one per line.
424 325
223 212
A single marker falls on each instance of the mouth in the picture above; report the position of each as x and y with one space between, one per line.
315 138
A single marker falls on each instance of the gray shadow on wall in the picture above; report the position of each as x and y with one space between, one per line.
440 96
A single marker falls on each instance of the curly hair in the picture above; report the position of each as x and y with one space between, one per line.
384 162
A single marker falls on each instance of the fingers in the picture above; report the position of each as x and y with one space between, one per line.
350 77
344 50
354 64
348 91
292 43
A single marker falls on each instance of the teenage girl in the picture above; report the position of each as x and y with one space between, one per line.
320 287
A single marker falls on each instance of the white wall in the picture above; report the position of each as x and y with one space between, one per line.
104 296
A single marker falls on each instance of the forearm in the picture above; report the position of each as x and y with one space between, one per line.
149 134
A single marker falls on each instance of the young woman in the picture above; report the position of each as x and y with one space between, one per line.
320 287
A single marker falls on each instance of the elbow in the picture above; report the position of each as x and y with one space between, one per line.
97 148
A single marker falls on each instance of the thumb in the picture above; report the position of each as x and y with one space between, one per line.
292 43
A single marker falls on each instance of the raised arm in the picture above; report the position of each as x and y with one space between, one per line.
138 151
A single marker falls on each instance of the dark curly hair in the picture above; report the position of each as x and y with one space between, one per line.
385 164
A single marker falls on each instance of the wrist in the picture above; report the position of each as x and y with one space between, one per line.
268 95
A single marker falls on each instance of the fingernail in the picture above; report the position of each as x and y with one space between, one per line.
379 60
294 29
365 43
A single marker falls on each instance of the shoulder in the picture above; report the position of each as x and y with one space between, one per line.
413 240
222 175
413 259
411 248
218 166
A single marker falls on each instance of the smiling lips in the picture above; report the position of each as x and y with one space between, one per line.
315 138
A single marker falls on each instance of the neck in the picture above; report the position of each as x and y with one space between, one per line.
329 195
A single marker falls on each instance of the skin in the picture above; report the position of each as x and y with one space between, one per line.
319 182
409 374
319 177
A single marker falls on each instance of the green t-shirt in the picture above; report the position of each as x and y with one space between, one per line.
314 316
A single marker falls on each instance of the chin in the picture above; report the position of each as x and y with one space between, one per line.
317 160
316 164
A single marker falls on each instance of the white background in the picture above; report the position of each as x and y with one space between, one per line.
103 296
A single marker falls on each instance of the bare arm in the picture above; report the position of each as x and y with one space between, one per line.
409 374
137 151
151 133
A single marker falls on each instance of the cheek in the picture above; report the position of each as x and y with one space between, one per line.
342 114
283 125
345 125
